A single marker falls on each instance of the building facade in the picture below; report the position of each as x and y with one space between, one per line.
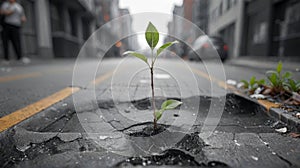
56 28
200 14
226 20
272 28
264 28
108 10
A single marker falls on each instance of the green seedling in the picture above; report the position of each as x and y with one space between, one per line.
292 85
152 38
277 78
253 84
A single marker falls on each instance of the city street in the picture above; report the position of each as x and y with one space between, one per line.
62 114
150 83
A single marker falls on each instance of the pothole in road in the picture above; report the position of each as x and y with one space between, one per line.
167 146
172 147
187 152
145 104
145 130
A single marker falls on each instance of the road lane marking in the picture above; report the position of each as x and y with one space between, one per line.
31 75
18 77
268 105
102 78
28 111
265 103
219 82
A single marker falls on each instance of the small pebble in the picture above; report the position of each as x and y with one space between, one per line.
127 111
298 115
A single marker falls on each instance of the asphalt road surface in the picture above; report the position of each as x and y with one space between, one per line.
83 106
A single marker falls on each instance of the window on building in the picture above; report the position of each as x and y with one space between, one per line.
74 23
55 15
86 28
232 3
229 5
226 5
220 9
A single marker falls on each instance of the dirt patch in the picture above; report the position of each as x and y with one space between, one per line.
145 130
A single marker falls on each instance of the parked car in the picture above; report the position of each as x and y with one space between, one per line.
206 47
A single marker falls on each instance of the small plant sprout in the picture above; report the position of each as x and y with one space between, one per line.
152 38
277 78
253 84
292 85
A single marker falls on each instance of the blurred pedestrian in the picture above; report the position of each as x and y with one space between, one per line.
14 16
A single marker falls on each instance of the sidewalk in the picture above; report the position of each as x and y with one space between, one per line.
265 62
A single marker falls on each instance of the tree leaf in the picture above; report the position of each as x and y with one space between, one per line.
138 55
152 36
279 67
170 104
165 46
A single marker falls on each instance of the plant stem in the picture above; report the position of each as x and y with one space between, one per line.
153 98
152 89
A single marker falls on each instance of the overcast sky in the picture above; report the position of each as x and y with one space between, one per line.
157 6
138 6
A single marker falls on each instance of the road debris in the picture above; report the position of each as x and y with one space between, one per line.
281 130
231 82
258 96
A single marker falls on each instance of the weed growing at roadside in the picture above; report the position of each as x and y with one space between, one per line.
152 38
292 85
253 84
279 84
277 79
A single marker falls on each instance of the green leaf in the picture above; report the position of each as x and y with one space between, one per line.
158 114
165 46
261 82
170 104
271 72
246 83
252 81
273 79
152 36
298 86
287 75
279 67
138 55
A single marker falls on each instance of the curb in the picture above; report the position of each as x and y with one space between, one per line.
262 64
276 113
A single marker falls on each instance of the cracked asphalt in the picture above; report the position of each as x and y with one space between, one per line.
94 126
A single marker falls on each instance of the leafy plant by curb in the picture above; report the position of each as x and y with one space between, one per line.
152 38
278 84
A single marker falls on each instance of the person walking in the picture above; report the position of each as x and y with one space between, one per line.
14 16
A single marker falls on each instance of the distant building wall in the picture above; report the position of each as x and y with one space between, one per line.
272 28
226 20
200 14
55 28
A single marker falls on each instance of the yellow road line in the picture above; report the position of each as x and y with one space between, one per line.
30 110
26 112
18 77
102 78
265 103
219 82
268 105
